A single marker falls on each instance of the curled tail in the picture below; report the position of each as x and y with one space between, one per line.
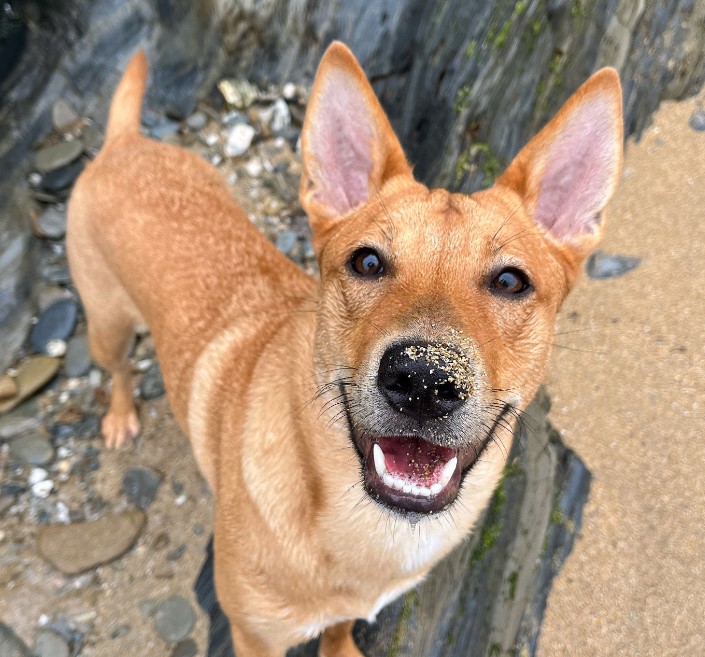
126 106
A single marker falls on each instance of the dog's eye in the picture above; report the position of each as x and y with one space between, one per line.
367 262
511 281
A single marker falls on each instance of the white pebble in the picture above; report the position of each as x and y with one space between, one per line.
254 167
43 620
181 499
43 488
239 140
289 91
94 378
281 117
143 365
36 475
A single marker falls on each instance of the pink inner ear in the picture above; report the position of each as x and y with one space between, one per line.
341 144
580 169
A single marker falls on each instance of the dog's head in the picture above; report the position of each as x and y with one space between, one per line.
436 310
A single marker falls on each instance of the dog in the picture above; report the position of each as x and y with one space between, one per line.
388 389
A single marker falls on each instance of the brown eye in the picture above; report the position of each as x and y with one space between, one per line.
510 281
366 262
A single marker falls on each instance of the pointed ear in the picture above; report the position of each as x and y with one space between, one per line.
569 171
348 146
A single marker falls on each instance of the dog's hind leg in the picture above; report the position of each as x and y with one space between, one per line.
337 641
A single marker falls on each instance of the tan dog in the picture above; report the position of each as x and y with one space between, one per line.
389 389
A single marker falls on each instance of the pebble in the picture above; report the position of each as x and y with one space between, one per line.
8 387
56 156
176 553
141 486
10 644
174 619
239 93
59 179
57 322
289 91
51 224
56 348
51 644
197 121
120 630
6 501
163 129
239 140
286 241
78 357
42 488
186 648
602 265
697 120
63 115
281 116
32 449
81 546
32 374
152 383
36 475
254 167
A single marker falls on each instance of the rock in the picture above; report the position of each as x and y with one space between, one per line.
56 348
56 156
63 115
174 619
92 138
11 645
57 322
141 486
51 224
163 129
254 167
120 630
697 119
152 384
78 357
239 140
176 553
602 265
51 644
286 241
32 374
238 93
36 475
42 489
289 91
8 387
6 501
59 179
81 546
281 116
88 427
197 121
32 449
12 488
186 648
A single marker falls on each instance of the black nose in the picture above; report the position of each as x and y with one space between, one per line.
424 380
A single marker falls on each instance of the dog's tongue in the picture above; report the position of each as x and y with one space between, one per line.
414 459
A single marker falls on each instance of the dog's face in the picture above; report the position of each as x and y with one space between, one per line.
436 310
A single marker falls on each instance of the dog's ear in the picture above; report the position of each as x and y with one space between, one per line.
349 149
568 172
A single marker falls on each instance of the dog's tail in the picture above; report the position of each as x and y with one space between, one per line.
126 106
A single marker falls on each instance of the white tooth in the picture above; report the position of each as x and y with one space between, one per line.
426 492
448 471
380 465
415 490
436 488
407 487
398 483
388 480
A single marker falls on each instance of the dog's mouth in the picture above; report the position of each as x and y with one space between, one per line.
411 474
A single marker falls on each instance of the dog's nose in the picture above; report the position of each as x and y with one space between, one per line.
424 380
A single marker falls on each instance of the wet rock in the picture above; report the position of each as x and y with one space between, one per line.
238 93
174 619
56 348
152 384
59 179
57 322
6 501
32 449
51 644
88 427
63 115
78 547
286 241
12 488
51 224
78 357
697 120
42 489
32 374
239 140
56 156
186 648
8 387
141 486
58 274
10 644
602 265
92 138
197 121
163 129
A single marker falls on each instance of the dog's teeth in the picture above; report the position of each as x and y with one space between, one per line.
380 465
407 487
436 488
388 480
415 490
424 491
448 470
398 483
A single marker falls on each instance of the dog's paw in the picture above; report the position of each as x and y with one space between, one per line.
119 429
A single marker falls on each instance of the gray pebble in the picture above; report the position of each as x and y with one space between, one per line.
197 121
120 631
174 619
57 322
52 223
148 608
186 648
602 265
92 138
50 644
59 179
697 120
58 155
63 115
163 129
32 449
6 501
152 384
176 553
286 241
78 357
10 644
141 486
24 418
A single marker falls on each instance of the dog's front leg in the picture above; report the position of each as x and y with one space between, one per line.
246 644
337 641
